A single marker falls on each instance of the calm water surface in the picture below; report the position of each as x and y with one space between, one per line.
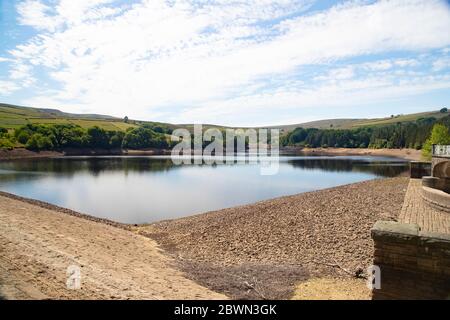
147 189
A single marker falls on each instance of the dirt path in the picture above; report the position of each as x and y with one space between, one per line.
37 245
332 289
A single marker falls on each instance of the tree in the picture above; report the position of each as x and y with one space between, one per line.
439 135
125 119
142 138
6 144
443 110
116 139
23 137
98 137
39 142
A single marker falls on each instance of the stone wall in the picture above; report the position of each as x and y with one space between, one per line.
414 264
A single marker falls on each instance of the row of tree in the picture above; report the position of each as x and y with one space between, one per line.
400 135
64 136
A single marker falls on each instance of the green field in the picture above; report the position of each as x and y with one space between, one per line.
356 123
12 117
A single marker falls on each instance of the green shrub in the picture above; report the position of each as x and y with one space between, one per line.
439 135
6 144
38 142
23 137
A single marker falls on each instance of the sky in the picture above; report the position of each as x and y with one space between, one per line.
238 63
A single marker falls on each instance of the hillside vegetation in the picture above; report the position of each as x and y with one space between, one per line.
358 123
59 137
13 117
412 134
49 129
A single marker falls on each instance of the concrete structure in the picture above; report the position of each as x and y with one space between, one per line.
414 264
436 188
416 210
413 254
440 162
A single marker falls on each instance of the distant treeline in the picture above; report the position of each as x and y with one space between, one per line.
400 135
64 136
69 136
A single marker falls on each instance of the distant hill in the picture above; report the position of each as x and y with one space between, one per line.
12 116
355 123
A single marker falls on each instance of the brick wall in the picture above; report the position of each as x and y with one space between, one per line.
414 264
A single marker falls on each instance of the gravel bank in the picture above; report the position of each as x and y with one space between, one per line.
262 250
407 154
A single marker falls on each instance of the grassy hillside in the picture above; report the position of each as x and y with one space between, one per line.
12 117
357 123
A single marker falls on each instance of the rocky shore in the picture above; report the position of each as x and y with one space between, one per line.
407 154
262 250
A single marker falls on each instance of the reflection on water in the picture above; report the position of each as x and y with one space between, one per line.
146 189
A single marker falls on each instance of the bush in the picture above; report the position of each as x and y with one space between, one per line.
23 137
6 144
38 142
141 138
98 137
439 135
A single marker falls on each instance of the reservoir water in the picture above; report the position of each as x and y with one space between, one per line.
148 189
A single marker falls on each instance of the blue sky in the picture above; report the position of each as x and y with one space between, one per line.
255 62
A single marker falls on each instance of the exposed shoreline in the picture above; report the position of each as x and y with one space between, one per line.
22 153
39 242
278 243
267 247
406 154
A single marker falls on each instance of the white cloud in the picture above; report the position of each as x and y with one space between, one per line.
406 62
441 64
7 87
379 65
155 55
332 94
337 74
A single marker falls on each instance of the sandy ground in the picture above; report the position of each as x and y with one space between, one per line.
332 289
37 245
408 154
265 249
